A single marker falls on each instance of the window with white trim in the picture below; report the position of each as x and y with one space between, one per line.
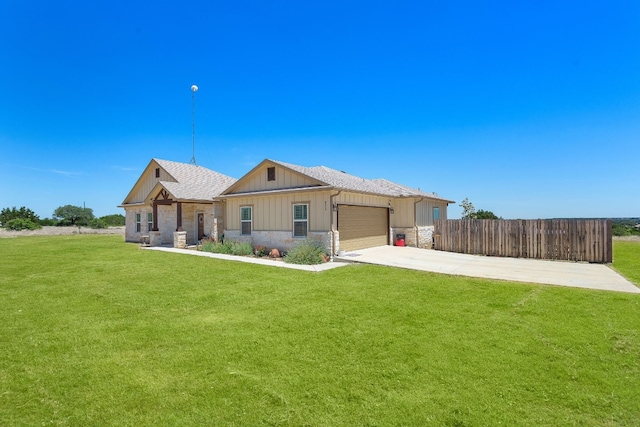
245 220
137 222
149 221
300 220
436 213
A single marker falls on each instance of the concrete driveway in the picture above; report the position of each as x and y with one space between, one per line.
579 275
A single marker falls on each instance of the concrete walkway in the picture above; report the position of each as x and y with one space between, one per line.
579 275
260 261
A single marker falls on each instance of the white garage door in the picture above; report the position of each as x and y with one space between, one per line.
362 227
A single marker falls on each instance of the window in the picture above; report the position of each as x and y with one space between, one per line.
137 223
245 220
271 174
157 172
436 213
300 220
149 221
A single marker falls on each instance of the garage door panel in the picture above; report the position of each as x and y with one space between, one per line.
362 227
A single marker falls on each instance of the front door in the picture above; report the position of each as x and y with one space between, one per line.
200 226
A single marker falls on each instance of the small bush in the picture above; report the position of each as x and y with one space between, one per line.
216 247
19 224
242 248
230 247
308 252
98 223
115 220
261 251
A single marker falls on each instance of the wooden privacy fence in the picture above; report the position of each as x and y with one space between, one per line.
554 239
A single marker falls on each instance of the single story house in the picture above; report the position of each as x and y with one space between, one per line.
277 204
172 197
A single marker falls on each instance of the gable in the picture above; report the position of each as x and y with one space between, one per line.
147 182
262 178
186 182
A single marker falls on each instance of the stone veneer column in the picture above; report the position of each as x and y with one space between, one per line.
180 239
155 238
214 230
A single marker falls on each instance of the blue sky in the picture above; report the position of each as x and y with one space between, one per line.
529 109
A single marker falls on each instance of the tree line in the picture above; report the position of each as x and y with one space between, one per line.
67 215
619 227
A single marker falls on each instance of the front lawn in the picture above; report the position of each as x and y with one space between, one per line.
626 259
97 332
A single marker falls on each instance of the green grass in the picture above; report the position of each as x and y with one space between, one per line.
96 332
626 259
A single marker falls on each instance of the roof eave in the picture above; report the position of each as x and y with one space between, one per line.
277 191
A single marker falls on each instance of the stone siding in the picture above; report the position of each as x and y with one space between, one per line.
167 222
424 234
180 239
130 233
425 237
409 235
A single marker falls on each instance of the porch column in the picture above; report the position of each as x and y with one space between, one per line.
155 216
179 217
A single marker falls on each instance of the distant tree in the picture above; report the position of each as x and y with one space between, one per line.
482 214
468 211
73 215
98 223
7 215
48 222
115 220
19 224
622 229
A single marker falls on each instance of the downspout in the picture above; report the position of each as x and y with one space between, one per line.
415 220
220 233
333 236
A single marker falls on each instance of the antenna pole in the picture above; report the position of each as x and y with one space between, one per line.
194 89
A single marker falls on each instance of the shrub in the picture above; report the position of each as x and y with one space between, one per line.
261 251
7 215
230 247
48 222
216 247
115 220
19 224
98 223
241 248
308 252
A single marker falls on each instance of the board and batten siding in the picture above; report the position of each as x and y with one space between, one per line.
275 212
147 182
257 181
424 211
402 216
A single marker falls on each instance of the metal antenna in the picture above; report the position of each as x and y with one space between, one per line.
194 89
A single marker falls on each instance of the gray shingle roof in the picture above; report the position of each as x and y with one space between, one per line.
344 181
194 182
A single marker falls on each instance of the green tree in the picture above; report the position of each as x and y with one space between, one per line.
7 215
468 211
482 214
73 215
115 220
19 224
48 222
